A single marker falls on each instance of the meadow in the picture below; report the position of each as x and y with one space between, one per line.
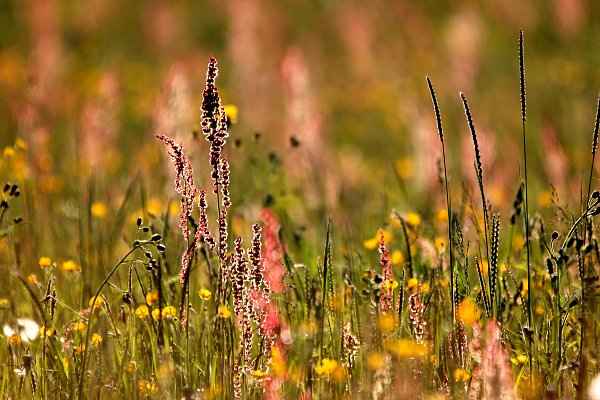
377 238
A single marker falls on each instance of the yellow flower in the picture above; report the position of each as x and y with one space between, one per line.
99 209
278 364
45 262
413 219
375 360
373 243
442 215
326 367
232 112
47 332
146 388
339 374
15 339
20 144
152 298
169 312
406 348
204 294
96 339
99 302
78 326
258 374
142 312
32 278
387 322
8 152
389 284
387 236
70 266
404 168
4 303
224 311
155 206
460 375
519 360
539 311
156 315
425 287
131 366
440 244
412 284
397 257
544 199
468 312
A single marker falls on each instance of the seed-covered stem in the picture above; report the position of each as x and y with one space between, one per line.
479 172
440 129
526 202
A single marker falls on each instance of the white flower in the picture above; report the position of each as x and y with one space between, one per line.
27 328
594 388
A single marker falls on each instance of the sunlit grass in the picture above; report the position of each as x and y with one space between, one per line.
201 291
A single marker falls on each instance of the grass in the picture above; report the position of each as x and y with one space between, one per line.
215 299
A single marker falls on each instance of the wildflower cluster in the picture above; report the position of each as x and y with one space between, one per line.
184 185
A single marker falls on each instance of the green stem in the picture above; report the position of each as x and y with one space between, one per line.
529 288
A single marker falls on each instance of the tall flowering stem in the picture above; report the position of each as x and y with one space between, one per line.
526 203
416 310
440 129
387 294
184 185
251 304
241 279
214 128
242 305
266 319
214 122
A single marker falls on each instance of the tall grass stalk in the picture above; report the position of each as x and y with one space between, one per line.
326 274
440 129
479 173
526 202
594 148
582 359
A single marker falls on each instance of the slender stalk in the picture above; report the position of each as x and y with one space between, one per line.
526 202
594 148
582 359
326 266
479 172
438 120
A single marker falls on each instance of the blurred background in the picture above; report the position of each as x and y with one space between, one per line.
331 112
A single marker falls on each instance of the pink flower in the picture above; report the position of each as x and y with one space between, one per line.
272 252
